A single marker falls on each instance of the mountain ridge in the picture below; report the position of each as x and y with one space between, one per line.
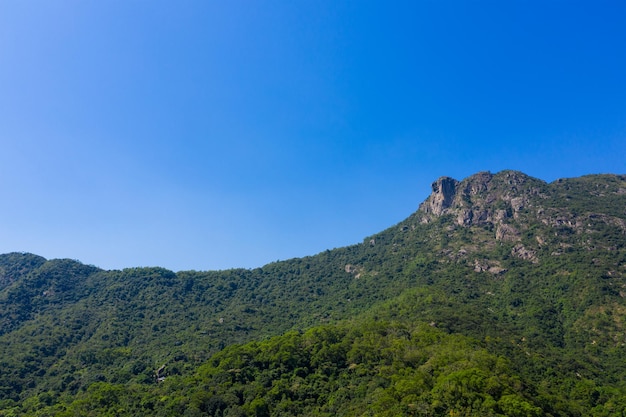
528 268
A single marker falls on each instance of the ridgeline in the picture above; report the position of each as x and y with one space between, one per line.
502 295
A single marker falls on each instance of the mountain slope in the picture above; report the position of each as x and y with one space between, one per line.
534 271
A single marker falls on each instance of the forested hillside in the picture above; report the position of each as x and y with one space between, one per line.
500 295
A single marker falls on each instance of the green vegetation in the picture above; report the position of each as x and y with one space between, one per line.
517 309
367 367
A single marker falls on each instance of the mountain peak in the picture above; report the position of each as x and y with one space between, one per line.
472 199
444 191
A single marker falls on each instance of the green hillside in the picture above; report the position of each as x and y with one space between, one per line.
500 295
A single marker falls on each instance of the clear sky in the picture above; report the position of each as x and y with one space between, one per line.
216 134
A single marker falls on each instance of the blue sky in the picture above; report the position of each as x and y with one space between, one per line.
216 134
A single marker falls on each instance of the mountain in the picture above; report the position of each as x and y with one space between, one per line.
501 295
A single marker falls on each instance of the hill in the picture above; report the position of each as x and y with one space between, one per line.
500 295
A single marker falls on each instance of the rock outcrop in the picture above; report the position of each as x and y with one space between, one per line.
493 200
482 198
444 191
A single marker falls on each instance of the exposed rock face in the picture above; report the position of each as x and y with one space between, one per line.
506 232
481 198
485 265
484 199
523 253
527 213
444 191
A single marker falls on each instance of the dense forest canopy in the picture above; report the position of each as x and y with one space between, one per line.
502 295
